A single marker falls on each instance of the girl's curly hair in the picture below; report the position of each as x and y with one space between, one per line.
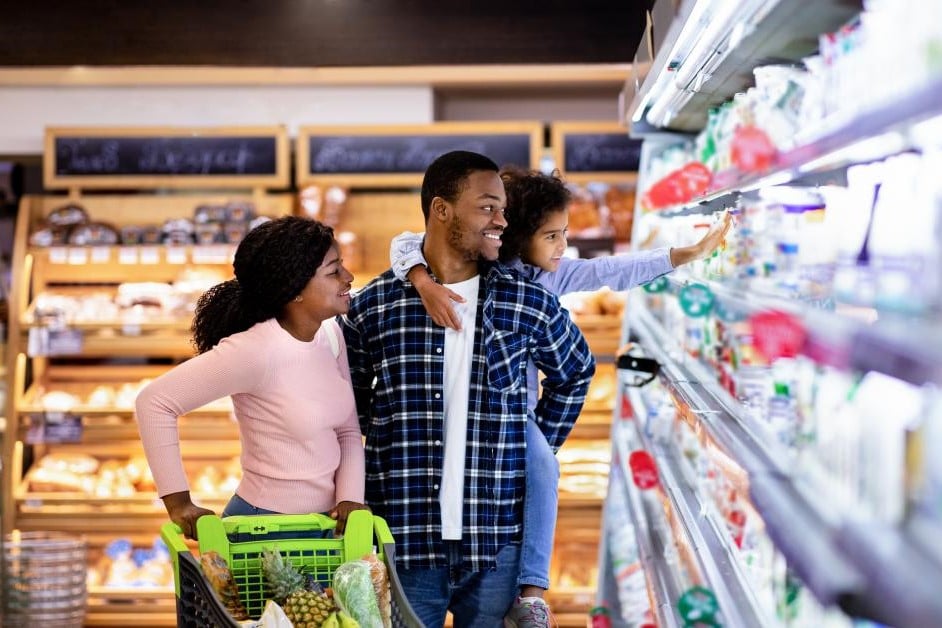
272 265
531 195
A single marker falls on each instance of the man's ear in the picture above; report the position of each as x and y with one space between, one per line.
438 209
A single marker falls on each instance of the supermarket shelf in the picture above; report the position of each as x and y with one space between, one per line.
715 553
907 349
749 445
663 585
701 73
868 136
868 569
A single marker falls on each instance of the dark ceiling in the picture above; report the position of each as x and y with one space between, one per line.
324 33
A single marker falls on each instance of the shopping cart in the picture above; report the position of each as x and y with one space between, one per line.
198 605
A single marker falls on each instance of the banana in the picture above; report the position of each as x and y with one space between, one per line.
346 621
331 621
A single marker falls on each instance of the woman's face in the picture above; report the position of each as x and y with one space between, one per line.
545 247
327 293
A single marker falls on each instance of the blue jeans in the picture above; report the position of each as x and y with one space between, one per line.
476 599
539 509
238 506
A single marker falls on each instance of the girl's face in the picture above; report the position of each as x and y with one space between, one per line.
545 247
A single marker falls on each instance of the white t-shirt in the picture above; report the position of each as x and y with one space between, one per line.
459 349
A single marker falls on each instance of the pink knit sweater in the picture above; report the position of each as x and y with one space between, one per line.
302 450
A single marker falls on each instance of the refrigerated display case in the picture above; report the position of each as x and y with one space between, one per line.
780 469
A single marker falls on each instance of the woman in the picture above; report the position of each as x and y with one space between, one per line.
269 340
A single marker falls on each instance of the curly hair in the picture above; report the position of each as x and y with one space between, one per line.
272 265
531 195
447 175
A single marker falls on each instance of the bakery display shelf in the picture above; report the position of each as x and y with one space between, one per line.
129 593
153 615
579 501
129 326
711 48
116 428
106 343
145 265
713 548
32 401
888 129
191 449
110 259
47 506
592 425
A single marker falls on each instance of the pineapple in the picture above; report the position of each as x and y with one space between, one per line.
305 608
308 609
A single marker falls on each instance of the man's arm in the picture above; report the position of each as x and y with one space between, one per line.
563 356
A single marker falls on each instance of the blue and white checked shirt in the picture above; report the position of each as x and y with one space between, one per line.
396 363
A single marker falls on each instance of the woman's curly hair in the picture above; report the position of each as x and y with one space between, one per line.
272 265
531 195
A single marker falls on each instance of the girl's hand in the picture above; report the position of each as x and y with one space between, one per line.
437 301
714 237
436 298
342 510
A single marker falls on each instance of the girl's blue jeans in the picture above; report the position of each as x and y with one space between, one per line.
539 510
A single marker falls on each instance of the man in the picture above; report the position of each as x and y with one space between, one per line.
444 412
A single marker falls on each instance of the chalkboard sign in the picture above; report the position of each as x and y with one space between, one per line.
390 154
402 155
600 152
183 158
188 156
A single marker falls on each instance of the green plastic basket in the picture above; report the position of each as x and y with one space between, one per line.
198 604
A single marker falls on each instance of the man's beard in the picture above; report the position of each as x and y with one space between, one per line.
456 239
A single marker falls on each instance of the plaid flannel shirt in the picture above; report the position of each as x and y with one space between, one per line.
396 363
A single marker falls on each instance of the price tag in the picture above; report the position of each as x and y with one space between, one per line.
202 254
213 254
696 300
131 329
66 341
176 255
54 427
58 255
698 606
43 341
127 255
149 255
78 255
643 470
101 255
658 285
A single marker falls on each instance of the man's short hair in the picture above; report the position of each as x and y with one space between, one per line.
446 176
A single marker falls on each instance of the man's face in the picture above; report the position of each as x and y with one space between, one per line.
476 218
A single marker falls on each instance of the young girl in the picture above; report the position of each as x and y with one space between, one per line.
533 244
